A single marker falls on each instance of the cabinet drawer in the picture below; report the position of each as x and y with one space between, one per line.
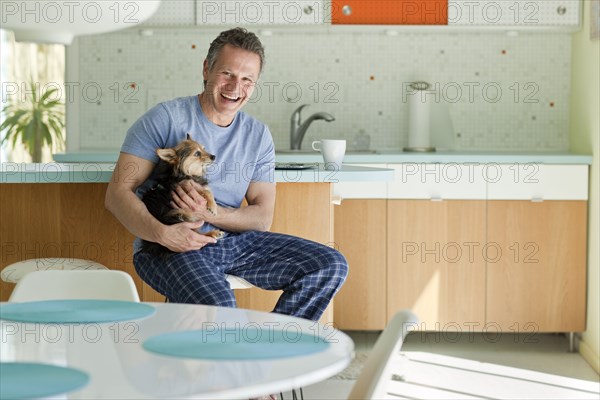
456 181
389 12
362 190
536 182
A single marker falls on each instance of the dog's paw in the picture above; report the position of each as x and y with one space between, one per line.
215 234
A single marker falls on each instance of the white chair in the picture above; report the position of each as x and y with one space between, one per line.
238 283
235 282
63 285
376 376
13 273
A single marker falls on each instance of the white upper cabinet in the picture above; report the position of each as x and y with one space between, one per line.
261 12
514 13
482 14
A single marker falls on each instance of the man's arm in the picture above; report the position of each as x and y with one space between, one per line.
121 200
257 216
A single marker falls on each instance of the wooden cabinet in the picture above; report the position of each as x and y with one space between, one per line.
69 220
536 267
304 210
434 261
510 256
389 12
360 234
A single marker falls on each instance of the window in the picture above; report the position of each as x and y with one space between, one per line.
20 65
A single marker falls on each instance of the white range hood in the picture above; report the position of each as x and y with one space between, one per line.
49 21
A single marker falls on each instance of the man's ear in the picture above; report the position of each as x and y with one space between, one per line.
167 155
205 70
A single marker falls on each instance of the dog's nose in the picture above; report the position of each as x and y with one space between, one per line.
212 157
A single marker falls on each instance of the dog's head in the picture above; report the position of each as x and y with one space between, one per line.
188 158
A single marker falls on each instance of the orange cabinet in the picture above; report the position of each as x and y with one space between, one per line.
389 12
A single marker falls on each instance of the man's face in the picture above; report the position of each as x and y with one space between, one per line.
231 81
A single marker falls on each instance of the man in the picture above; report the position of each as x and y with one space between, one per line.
308 273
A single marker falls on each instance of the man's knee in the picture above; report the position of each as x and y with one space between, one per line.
337 265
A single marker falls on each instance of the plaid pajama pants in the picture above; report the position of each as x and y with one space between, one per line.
309 273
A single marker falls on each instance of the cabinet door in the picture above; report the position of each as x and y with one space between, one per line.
360 231
389 12
304 210
243 12
435 263
530 13
537 265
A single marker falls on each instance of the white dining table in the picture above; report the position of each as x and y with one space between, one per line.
119 366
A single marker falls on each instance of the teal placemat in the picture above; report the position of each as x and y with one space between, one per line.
74 311
30 380
236 344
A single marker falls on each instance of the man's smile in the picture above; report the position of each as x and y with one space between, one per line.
230 98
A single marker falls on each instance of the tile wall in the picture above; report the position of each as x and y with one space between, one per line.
501 92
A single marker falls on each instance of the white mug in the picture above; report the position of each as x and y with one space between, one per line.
333 152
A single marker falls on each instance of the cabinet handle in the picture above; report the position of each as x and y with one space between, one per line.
537 199
436 198
561 10
346 10
336 200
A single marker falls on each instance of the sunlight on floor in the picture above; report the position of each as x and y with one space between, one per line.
511 367
434 376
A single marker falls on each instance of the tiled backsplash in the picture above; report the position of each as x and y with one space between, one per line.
502 92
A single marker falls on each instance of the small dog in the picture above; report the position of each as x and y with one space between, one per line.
187 160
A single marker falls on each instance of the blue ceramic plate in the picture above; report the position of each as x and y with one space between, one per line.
74 311
236 344
29 380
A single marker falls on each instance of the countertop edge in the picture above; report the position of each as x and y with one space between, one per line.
385 158
102 173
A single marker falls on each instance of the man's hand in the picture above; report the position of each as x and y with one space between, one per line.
183 237
186 197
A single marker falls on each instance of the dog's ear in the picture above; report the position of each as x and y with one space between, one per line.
188 137
168 155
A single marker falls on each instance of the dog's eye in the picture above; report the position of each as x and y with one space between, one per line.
197 154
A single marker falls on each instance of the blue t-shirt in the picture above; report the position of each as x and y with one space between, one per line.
244 151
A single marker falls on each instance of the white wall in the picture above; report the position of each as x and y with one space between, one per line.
585 138
502 92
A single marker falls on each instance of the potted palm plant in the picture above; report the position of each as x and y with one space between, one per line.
35 122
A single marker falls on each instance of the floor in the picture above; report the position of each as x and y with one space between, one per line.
546 353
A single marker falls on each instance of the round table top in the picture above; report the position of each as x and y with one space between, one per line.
119 366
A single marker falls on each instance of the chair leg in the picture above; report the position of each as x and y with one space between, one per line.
294 395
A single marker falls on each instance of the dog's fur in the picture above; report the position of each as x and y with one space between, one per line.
186 161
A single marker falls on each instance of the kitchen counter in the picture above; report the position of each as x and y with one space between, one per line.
57 210
98 172
389 157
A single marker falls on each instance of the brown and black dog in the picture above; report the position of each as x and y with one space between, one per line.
186 161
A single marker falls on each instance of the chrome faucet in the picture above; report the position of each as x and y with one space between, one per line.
298 129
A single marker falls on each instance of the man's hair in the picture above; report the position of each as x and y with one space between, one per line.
236 37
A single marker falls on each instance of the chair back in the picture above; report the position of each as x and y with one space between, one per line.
376 375
75 285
